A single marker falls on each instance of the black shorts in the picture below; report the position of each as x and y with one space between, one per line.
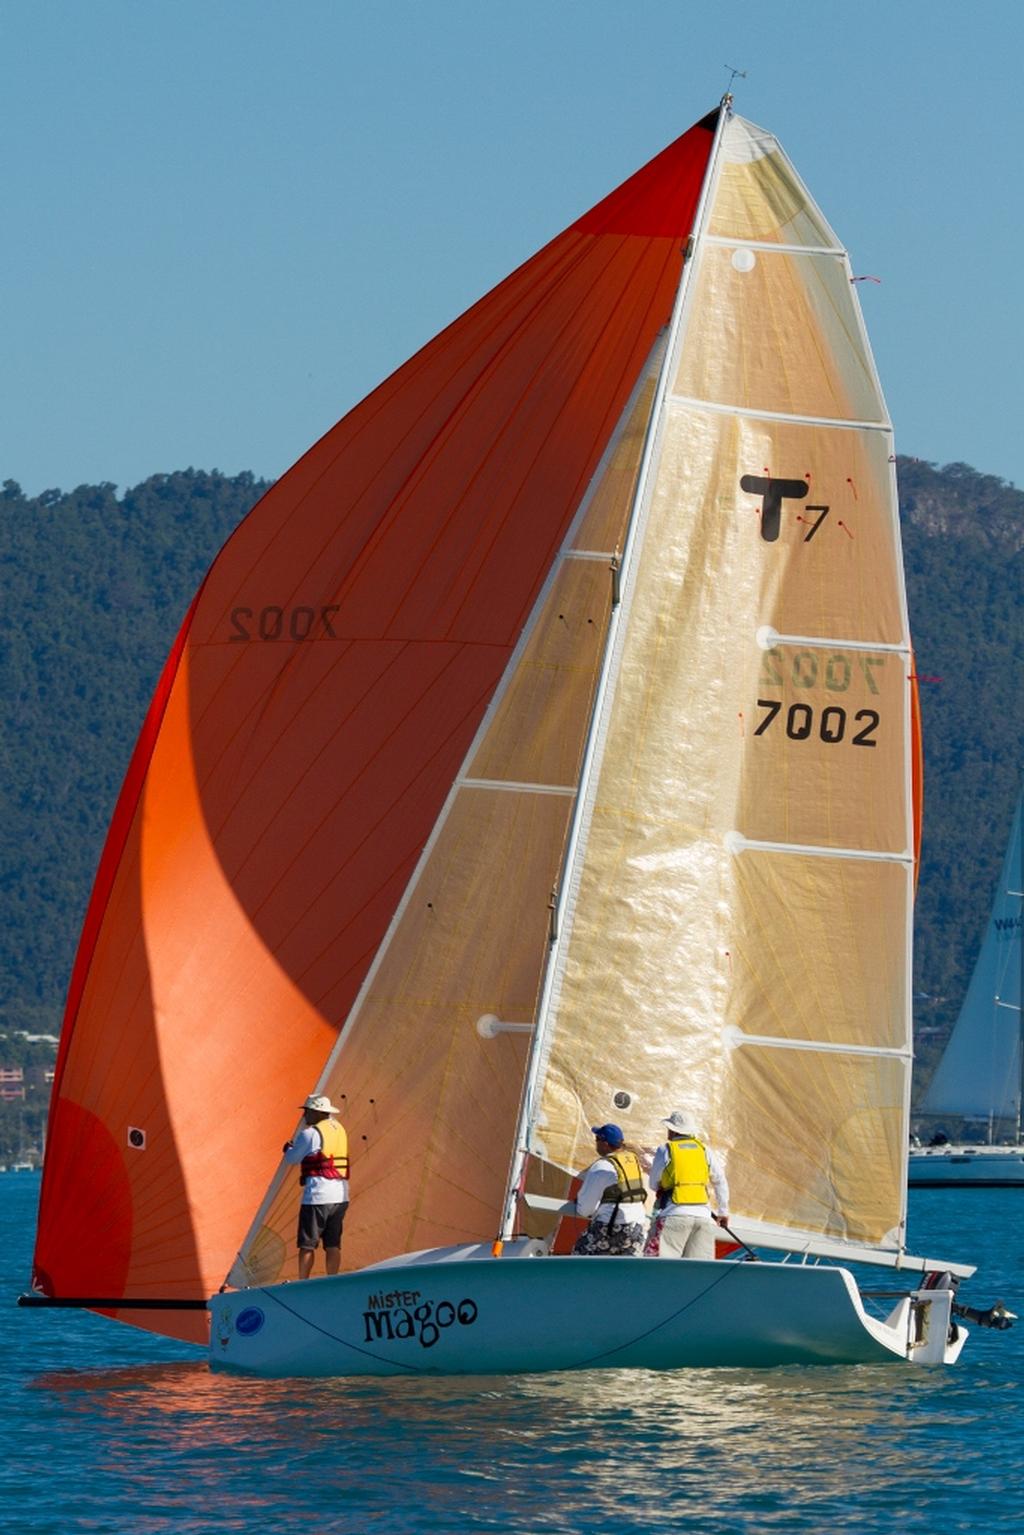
321 1223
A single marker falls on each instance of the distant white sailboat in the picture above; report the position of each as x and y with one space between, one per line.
981 1071
539 751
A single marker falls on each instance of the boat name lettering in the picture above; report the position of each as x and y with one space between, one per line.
277 623
383 1300
424 1322
831 723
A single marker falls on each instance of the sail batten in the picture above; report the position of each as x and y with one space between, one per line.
724 408
738 1038
739 844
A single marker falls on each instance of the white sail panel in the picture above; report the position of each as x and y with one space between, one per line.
801 350
979 1075
759 195
759 695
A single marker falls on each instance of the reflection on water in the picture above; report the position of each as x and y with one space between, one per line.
168 1446
787 1448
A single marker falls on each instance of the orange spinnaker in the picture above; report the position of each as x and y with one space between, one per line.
324 690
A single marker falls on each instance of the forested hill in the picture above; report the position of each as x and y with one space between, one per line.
96 587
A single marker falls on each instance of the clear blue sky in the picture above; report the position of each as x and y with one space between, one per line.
226 220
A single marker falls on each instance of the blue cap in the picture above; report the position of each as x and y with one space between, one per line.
610 1133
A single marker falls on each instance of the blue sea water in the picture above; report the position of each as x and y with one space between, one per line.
104 1428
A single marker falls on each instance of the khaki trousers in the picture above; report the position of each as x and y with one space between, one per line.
687 1236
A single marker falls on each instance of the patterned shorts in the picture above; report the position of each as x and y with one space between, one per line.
608 1241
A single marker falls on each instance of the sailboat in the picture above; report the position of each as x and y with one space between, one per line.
979 1075
539 751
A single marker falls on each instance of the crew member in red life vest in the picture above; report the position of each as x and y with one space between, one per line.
682 1173
612 1196
321 1150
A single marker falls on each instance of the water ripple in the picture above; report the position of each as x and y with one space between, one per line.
119 1443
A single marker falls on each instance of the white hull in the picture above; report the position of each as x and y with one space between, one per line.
966 1167
462 1312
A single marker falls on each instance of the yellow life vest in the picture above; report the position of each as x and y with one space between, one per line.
331 1161
687 1172
629 1186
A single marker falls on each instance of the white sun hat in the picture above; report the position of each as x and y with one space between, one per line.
317 1103
681 1122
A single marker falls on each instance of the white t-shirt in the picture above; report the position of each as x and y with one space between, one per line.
599 1176
316 1191
716 1169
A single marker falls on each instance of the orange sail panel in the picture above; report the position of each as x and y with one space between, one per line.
325 690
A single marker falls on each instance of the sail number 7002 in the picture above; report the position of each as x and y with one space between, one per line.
831 722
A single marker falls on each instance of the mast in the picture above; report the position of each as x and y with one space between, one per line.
606 681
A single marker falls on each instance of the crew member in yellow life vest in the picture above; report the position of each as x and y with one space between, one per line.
321 1150
683 1171
612 1196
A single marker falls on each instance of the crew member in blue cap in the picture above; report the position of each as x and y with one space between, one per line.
612 1197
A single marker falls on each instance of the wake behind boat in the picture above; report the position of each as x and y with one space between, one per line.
540 749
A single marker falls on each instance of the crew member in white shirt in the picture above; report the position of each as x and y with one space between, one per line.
612 1198
321 1149
684 1171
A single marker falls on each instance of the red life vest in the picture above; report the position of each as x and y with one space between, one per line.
331 1161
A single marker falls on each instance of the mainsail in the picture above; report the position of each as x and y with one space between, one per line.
979 1075
347 809
735 930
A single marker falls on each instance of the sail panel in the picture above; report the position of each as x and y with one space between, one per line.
542 716
822 955
692 963
979 1073
602 525
760 195
331 678
801 350
835 1170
